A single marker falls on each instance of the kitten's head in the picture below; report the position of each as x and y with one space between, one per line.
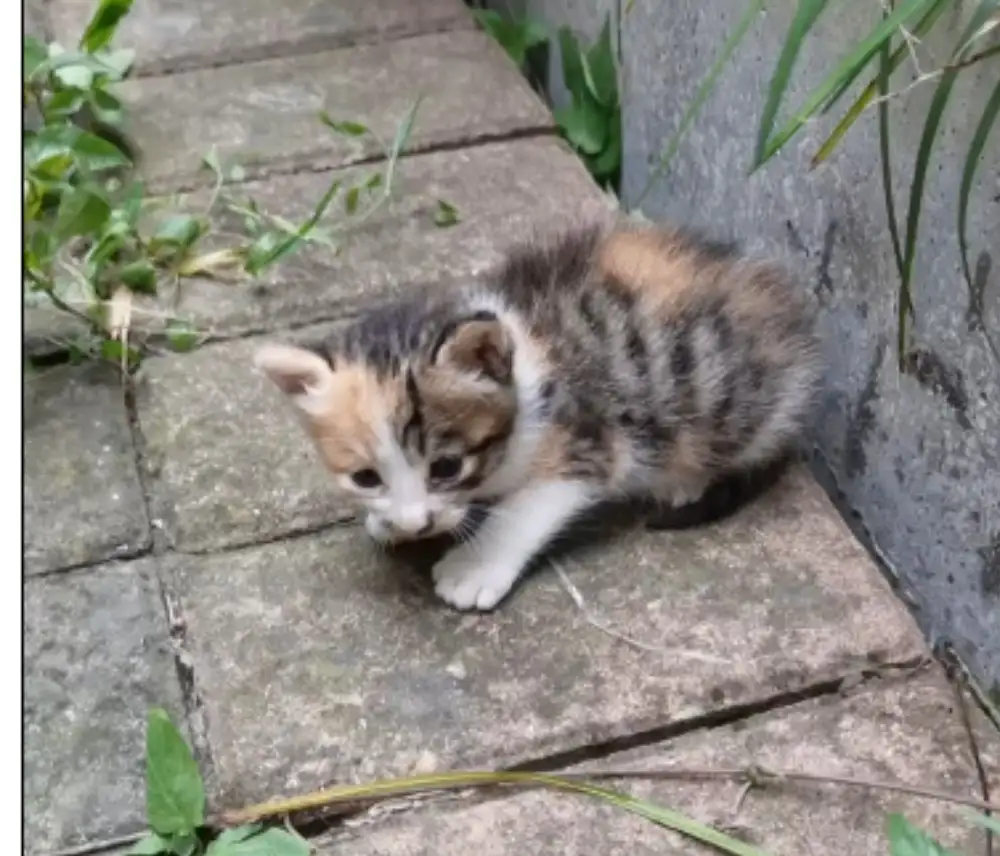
411 431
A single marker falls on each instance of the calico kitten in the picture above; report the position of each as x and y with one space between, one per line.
606 363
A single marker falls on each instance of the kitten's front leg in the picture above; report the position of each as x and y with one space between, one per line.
479 574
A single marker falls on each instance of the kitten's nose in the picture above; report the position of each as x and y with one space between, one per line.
415 520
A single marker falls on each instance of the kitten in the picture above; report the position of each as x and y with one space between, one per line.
607 363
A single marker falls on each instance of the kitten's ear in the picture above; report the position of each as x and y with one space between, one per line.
479 345
302 375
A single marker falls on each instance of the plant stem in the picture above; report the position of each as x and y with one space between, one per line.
757 776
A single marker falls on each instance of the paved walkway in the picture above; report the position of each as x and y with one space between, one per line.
183 549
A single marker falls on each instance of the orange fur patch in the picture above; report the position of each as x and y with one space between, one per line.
358 407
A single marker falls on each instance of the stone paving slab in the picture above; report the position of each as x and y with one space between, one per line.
264 115
82 497
906 731
97 657
319 660
194 411
172 35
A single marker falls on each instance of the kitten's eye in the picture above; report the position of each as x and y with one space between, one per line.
366 479
446 467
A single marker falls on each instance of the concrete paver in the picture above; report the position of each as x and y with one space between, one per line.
901 730
82 497
264 115
97 657
172 35
319 661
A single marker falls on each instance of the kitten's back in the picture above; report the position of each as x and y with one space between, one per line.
675 357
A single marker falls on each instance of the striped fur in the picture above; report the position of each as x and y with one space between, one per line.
599 364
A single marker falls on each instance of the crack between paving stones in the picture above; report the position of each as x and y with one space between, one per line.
956 678
287 49
315 163
335 819
183 665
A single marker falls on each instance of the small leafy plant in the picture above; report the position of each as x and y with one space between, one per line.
99 249
592 122
175 806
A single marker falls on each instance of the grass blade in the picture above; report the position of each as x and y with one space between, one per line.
806 15
701 96
935 112
882 81
972 159
459 781
848 69
865 99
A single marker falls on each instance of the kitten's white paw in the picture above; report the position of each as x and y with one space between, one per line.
466 582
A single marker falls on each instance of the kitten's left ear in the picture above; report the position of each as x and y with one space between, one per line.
478 345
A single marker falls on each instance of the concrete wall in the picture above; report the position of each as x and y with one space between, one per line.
915 456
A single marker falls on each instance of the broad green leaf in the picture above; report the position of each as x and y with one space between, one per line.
82 212
151 845
63 103
139 276
351 200
101 28
705 89
584 124
96 154
599 68
185 845
75 76
806 15
374 181
106 106
175 795
935 112
343 126
846 71
606 165
181 335
515 37
906 840
35 53
233 836
131 205
52 141
177 232
572 63
972 160
270 842
446 214
863 100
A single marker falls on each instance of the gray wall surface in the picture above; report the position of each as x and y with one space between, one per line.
914 456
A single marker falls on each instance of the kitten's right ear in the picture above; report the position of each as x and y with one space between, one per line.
304 376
